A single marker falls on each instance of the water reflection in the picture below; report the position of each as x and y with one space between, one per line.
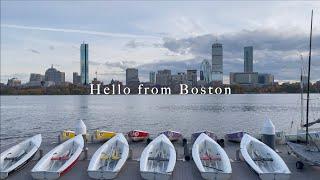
245 108
27 115
82 102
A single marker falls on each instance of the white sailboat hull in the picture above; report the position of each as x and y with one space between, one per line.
49 167
211 160
97 164
305 153
263 160
18 155
158 159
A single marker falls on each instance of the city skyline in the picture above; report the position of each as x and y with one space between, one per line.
178 40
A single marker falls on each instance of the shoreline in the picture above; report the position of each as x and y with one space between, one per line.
277 93
71 89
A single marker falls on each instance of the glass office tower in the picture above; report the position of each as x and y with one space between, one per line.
248 59
84 63
217 62
205 71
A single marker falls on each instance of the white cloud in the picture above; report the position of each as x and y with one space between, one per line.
192 26
98 33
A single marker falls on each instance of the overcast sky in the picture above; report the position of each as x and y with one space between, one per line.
155 35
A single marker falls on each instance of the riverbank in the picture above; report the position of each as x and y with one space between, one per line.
71 89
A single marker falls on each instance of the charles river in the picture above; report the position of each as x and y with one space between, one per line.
23 116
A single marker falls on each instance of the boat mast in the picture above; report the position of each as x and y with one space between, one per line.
308 92
301 93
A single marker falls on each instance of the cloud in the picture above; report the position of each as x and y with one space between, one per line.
189 26
282 69
134 44
275 52
261 39
111 70
51 47
34 51
98 33
121 64
112 73
94 63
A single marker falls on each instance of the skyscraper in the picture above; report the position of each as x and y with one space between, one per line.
201 76
192 77
205 71
248 77
217 62
84 63
152 77
132 77
163 77
248 59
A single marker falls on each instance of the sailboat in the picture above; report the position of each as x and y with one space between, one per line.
19 155
300 134
295 137
211 160
308 152
158 159
263 160
109 159
59 160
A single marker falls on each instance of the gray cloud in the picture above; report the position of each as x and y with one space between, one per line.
264 39
174 66
121 64
34 51
134 44
274 52
112 73
282 70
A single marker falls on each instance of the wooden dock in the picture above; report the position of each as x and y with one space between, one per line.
184 170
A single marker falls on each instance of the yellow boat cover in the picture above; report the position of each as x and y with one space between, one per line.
103 135
66 134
